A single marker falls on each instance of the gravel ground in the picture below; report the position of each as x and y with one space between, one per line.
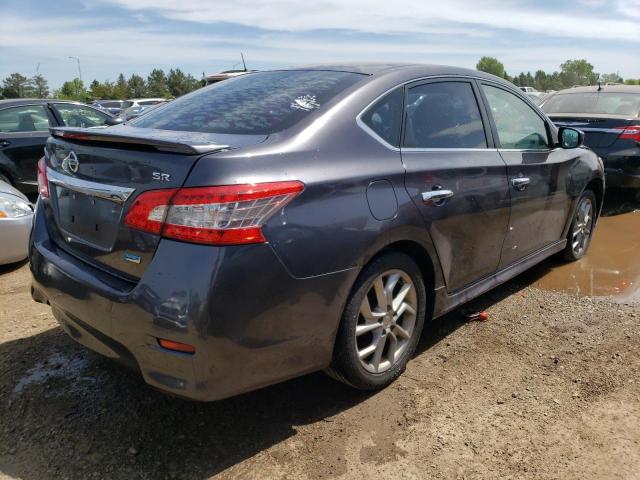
547 387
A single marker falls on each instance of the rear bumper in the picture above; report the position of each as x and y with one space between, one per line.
251 322
14 238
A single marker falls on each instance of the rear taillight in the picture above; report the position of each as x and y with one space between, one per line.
225 215
43 181
631 132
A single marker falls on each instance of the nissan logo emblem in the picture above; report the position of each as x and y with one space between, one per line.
70 163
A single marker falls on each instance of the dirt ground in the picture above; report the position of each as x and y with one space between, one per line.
547 388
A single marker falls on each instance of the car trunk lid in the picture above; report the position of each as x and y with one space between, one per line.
600 131
94 176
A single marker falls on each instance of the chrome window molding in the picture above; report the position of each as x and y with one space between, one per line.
112 193
453 149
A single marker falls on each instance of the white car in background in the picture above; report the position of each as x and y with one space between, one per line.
16 217
140 105
532 92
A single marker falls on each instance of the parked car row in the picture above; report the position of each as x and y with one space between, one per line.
121 107
136 111
114 107
24 129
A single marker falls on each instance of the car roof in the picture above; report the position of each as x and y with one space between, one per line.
12 102
406 72
601 89
379 68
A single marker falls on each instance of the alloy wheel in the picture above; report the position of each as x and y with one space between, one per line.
386 321
582 227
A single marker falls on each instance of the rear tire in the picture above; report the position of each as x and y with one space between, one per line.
581 229
381 324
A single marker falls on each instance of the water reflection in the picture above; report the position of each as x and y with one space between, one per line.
612 266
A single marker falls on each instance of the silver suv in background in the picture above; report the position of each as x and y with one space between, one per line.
139 105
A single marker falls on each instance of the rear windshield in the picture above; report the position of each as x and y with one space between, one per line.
608 103
253 104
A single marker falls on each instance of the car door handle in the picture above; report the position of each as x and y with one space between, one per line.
4 143
520 183
436 197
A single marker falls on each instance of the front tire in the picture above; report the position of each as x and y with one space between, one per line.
581 230
381 324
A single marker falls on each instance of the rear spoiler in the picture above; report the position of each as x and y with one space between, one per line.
188 143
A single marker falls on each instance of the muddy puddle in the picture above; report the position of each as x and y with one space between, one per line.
610 269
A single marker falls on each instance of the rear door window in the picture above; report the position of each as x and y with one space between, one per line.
254 104
443 115
25 118
384 118
519 126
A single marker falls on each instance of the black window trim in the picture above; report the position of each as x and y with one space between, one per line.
552 144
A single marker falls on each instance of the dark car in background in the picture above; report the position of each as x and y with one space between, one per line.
284 222
24 129
609 115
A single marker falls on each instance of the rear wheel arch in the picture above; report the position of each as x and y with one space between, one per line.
420 255
596 185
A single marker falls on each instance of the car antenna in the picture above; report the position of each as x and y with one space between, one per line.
243 64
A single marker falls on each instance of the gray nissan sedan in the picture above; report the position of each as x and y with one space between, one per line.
290 221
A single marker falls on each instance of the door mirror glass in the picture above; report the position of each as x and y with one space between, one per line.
570 137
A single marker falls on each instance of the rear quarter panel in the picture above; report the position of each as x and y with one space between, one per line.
330 226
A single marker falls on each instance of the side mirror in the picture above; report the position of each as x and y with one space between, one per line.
113 121
570 137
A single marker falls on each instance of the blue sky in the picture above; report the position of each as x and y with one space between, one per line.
134 36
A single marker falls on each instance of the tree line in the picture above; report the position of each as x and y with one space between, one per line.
571 74
176 83
157 84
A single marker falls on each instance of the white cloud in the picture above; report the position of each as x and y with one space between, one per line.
288 35
629 8
415 16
